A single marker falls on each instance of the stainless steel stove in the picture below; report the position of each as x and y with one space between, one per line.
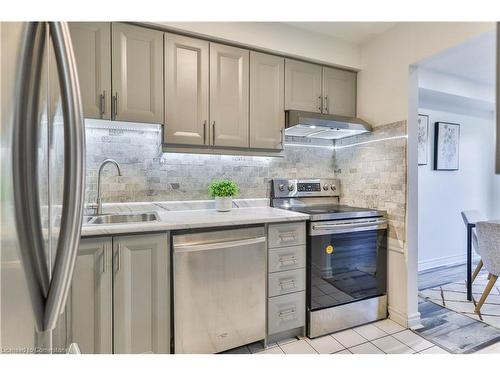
346 255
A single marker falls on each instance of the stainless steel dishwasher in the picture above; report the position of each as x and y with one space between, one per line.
219 289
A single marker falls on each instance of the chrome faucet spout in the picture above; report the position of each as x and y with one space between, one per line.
101 167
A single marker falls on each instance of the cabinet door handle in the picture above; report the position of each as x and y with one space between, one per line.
289 236
286 314
103 260
290 259
287 284
282 137
205 132
213 133
102 102
320 108
118 257
326 104
115 105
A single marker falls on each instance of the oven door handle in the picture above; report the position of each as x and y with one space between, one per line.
320 229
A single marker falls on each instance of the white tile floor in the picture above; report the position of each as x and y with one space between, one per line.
382 337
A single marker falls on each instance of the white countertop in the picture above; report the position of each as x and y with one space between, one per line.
192 219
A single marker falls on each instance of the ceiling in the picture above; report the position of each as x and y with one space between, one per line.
354 32
474 60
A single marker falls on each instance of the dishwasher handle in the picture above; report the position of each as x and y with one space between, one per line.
186 248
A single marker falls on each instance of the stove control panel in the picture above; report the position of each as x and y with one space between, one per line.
308 186
283 188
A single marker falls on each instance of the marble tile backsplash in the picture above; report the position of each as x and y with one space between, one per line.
371 167
372 171
150 175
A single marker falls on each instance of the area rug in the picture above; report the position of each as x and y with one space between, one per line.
453 296
455 332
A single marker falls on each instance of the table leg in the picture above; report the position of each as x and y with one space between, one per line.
469 262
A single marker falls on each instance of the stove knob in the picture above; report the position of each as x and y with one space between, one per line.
291 187
325 187
281 187
333 187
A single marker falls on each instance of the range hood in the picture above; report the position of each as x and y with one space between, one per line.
321 126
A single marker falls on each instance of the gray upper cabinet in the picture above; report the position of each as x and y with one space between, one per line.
313 88
186 90
303 86
339 92
229 96
92 42
141 294
267 115
89 306
137 81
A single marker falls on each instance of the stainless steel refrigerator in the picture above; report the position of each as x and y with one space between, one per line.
42 184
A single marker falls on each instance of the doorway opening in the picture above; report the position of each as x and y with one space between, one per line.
456 185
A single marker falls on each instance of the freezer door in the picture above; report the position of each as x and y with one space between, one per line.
18 320
42 184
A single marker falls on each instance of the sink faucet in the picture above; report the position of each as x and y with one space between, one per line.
99 199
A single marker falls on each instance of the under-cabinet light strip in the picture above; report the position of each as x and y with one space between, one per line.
306 145
372 141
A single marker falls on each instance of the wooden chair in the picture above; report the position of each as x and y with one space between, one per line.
488 240
473 217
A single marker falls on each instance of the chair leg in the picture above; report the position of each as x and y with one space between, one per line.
486 292
476 271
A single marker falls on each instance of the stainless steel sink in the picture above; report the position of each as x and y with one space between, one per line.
122 218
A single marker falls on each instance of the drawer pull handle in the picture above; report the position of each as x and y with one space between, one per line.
287 314
290 236
291 259
287 284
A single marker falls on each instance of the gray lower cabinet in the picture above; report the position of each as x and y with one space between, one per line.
120 296
286 304
89 310
141 294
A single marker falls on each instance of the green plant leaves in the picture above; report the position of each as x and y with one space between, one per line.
223 188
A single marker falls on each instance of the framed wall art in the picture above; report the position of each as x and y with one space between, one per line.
423 138
446 146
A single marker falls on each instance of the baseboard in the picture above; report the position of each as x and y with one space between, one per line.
451 260
398 316
407 321
414 321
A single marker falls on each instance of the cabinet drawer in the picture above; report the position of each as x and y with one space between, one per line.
287 258
287 234
286 312
286 282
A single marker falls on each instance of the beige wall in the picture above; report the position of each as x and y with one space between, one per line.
278 37
383 80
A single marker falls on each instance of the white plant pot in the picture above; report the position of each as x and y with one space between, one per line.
223 204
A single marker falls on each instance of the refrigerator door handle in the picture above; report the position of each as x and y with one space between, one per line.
24 168
74 174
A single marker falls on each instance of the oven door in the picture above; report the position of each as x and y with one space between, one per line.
347 261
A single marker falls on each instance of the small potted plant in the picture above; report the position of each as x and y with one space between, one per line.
223 191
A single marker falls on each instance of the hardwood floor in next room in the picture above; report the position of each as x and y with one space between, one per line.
435 277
